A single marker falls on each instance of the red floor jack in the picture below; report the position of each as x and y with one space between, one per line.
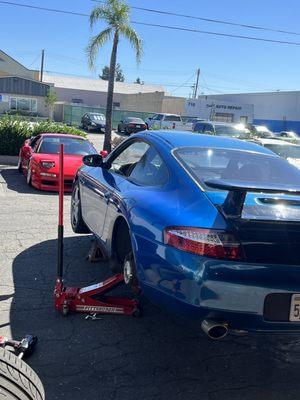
83 300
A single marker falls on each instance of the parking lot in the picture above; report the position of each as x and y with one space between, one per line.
115 357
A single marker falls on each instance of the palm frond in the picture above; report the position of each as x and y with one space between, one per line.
95 43
131 35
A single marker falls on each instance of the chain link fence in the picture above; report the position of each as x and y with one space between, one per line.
73 114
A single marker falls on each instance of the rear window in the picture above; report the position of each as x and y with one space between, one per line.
51 145
225 130
134 120
172 118
209 163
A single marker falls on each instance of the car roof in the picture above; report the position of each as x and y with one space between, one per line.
50 134
187 139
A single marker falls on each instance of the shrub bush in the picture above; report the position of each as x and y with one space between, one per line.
15 130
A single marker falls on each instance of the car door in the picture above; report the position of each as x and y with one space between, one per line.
146 172
101 187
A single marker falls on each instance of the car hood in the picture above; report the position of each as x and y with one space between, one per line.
71 162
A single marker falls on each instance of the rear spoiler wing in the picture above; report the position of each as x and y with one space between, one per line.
237 191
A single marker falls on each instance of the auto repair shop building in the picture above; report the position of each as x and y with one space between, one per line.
278 111
209 108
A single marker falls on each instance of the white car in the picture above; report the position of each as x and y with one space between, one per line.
287 150
168 121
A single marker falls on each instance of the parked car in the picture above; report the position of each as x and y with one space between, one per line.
287 150
222 129
39 159
93 122
168 121
206 225
261 131
288 135
131 125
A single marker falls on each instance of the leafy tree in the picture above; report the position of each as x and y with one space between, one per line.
116 14
119 76
50 100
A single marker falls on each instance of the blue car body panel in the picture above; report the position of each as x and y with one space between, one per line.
185 283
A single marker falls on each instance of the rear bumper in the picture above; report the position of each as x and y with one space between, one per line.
196 287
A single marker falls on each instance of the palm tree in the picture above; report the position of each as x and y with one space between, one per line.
116 14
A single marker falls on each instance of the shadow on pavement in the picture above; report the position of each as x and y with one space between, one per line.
154 357
17 182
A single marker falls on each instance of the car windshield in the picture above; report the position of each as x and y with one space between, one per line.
50 145
134 120
97 117
210 163
284 151
232 131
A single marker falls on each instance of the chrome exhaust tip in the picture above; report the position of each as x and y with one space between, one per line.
214 329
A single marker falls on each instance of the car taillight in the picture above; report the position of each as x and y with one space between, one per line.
144 126
205 242
47 164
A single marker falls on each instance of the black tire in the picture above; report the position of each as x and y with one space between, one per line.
17 380
119 129
77 222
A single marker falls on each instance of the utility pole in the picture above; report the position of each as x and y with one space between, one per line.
197 83
42 65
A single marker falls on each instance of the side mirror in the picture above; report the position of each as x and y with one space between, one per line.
93 160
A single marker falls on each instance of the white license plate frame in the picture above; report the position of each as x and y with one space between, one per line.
295 308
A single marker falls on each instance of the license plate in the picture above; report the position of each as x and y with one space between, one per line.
295 308
138 126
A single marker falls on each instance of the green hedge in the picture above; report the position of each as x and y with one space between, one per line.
15 130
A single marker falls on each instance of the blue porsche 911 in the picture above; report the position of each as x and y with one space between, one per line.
209 227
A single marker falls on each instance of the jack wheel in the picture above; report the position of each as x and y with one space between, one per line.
65 310
137 313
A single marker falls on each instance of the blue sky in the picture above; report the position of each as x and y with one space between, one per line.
170 57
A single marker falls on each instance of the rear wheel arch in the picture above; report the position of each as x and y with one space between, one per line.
121 240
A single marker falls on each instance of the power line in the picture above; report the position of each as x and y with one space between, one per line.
217 21
184 83
177 28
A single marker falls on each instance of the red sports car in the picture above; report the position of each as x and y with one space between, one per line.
39 159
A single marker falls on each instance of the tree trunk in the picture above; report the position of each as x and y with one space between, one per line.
110 94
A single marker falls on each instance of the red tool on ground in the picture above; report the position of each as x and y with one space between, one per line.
91 299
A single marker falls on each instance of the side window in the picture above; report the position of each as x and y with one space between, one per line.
150 170
124 163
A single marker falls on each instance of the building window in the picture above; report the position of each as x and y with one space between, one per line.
116 105
244 119
77 101
223 117
23 104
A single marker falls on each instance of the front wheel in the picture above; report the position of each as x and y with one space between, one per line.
77 222
17 380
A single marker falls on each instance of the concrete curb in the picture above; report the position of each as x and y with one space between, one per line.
9 160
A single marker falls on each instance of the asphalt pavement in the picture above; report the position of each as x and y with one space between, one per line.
117 357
